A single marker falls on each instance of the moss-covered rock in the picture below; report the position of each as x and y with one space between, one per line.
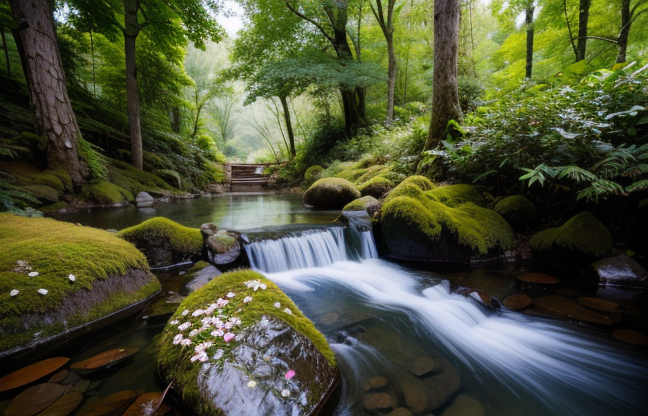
106 193
366 203
376 187
135 181
518 211
312 173
28 174
164 242
423 223
243 332
577 243
44 193
331 193
55 276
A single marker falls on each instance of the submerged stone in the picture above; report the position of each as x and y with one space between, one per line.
557 305
144 200
424 223
251 351
465 405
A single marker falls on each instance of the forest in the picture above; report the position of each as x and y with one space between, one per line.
543 98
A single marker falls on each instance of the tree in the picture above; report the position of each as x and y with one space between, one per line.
6 22
36 40
386 24
445 95
510 11
583 18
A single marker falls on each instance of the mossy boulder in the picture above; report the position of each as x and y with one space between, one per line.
239 345
45 194
165 242
424 223
376 187
57 276
518 211
366 203
331 193
577 243
312 173
104 192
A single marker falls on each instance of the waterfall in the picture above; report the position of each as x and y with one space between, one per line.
312 248
517 365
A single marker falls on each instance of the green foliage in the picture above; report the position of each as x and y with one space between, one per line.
96 161
185 241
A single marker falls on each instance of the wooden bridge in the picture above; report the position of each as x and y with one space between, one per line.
246 177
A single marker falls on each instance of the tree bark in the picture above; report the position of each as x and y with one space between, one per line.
6 51
583 18
445 91
175 119
41 61
131 32
291 135
529 40
626 23
387 27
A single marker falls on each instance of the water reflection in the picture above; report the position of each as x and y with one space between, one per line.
235 211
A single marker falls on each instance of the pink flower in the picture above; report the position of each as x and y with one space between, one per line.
228 337
290 374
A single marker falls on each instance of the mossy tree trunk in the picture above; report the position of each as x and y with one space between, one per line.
291 135
55 121
445 90
131 31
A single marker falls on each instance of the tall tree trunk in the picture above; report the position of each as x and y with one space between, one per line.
445 91
131 32
6 51
529 40
291 135
352 110
175 119
626 22
94 80
391 78
583 18
55 120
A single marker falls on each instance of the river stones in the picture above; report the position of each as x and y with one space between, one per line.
620 271
539 278
631 337
560 306
113 405
367 203
517 302
59 377
223 247
429 393
599 304
35 399
401 411
464 405
375 383
423 366
64 406
103 360
31 373
379 402
144 200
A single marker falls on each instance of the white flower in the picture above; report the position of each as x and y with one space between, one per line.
193 333
255 284
185 342
174 322
14 292
217 333
198 312
285 393
264 322
221 302
206 321
42 291
219 354
251 384
231 295
184 326
177 339
210 310
185 312
235 321
247 299
72 277
32 274
277 305
288 311
229 325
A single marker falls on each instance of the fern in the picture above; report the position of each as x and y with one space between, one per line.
97 162
170 174
599 189
641 185
575 173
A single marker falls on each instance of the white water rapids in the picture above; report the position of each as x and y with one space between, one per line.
517 365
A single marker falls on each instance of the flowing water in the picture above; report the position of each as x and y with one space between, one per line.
381 319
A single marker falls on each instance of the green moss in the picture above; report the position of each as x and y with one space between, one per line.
28 174
106 193
578 242
361 204
57 206
350 175
455 195
331 193
312 173
376 187
176 360
518 211
180 241
413 186
136 181
43 193
372 172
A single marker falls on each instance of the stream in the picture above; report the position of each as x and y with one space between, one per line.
385 320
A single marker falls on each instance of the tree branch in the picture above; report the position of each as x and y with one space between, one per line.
379 17
571 35
309 20
615 41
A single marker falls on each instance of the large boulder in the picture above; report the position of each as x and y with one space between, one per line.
56 277
222 246
165 242
240 346
331 193
577 243
518 211
620 271
366 203
376 187
421 222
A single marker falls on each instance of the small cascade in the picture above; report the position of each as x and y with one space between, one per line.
312 248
